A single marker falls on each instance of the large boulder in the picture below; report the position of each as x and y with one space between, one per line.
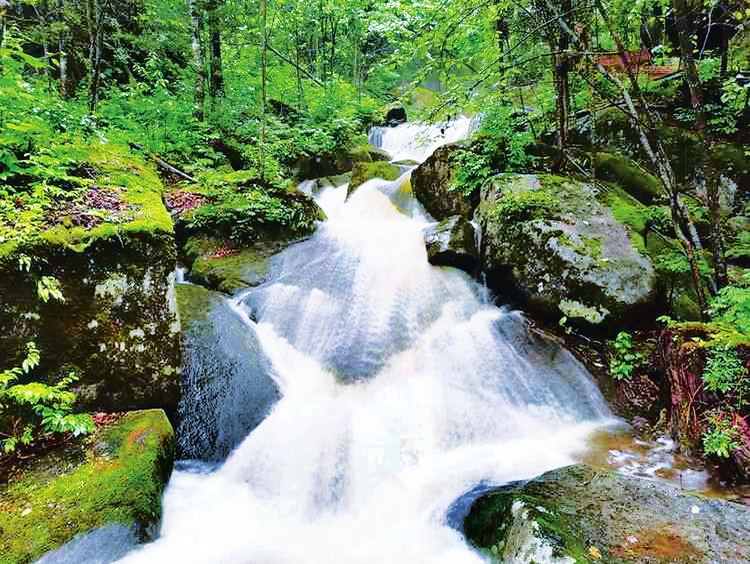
109 242
228 387
452 242
364 171
567 248
112 482
336 162
578 514
434 187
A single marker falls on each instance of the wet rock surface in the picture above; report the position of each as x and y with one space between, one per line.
452 242
432 183
588 515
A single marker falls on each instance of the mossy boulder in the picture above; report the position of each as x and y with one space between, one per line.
229 227
116 476
568 248
627 174
452 242
365 171
110 244
234 208
337 162
315 185
578 515
227 269
434 186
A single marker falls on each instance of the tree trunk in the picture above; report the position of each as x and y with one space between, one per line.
685 34
200 77
4 5
96 43
214 27
263 78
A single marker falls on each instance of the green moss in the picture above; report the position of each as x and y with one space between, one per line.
627 174
121 481
627 210
231 273
252 214
525 198
363 171
194 303
112 170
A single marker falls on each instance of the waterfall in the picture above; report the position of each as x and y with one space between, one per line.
416 142
402 388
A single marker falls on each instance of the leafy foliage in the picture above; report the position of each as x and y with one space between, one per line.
625 358
722 437
31 409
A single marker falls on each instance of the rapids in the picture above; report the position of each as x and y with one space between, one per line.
402 388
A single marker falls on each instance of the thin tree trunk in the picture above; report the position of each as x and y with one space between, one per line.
685 32
4 5
96 43
263 78
214 26
658 157
200 73
63 67
297 66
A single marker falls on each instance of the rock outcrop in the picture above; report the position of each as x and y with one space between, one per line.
452 242
364 171
567 248
577 514
432 183
113 254
113 480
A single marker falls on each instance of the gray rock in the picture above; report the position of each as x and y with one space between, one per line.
432 182
452 242
560 245
579 513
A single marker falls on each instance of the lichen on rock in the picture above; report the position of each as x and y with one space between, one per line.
563 248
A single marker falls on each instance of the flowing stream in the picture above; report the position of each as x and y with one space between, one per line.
401 388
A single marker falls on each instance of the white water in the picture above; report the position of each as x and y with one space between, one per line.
402 389
416 142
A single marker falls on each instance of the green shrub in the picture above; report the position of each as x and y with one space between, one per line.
625 358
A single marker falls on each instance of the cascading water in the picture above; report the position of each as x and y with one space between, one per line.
401 389
415 142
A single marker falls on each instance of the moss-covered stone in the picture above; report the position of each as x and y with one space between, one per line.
568 247
627 174
117 477
452 242
365 171
227 270
434 185
118 328
586 515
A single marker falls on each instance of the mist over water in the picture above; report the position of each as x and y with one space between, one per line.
401 389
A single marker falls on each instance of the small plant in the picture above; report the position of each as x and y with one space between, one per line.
625 358
31 407
724 372
722 437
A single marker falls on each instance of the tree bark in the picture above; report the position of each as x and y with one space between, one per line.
263 78
200 73
214 27
96 43
685 34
